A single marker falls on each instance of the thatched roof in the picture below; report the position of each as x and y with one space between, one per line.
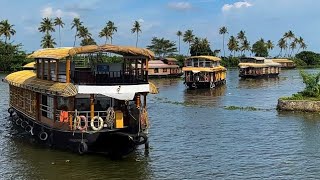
27 79
211 58
61 53
170 59
202 69
30 65
282 60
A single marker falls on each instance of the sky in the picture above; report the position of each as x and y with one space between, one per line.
267 19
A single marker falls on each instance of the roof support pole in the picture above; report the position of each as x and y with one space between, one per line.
57 70
68 63
91 106
49 69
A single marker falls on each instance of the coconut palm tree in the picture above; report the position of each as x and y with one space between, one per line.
7 30
112 28
269 45
179 34
104 33
223 30
241 35
245 46
282 44
46 26
84 33
188 37
76 23
58 22
47 41
300 42
233 45
293 45
136 29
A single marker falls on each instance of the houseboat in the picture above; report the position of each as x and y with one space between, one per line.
100 108
254 67
167 67
285 63
204 72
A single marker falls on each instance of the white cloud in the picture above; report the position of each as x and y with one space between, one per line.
50 12
140 20
180 5
236 5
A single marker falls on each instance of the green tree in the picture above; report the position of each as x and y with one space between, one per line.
269 45
47 41
223 30
179 34
111 28
302 44
76 23
260 48
311 81
86 36
310 58
58 22
46 26
104 33
136 29
233 45
293 45
7 30
11 57
245 46
200 47
161 47
282 44
188 37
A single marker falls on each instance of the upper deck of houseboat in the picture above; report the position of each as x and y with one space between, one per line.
203 63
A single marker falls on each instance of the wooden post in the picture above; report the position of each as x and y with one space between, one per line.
145 100
57 70
68 70
138 103
136 69
141 69
49 69
42 68
55 107
147 69
38 68
91 106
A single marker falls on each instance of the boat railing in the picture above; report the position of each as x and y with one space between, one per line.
111 77
87 117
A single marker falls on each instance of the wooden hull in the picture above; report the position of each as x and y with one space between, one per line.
114 143
258 75
204 85
165 76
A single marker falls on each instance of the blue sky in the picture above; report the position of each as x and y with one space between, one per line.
267 19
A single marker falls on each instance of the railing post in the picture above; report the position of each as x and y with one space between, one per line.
91 106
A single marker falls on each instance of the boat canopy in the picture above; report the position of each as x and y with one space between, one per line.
211 58
30 65
202 69
64 52
27 79
282 60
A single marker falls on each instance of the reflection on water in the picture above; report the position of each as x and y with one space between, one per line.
192 137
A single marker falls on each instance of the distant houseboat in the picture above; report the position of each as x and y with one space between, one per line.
252 67
98 109
167 67
285 63
204 72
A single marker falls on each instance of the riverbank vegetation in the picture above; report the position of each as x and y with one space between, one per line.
312 88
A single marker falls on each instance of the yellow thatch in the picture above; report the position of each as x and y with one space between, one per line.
211 58
60 53
153 88
29 65
27 79
282 60
171 59
254 65
202 69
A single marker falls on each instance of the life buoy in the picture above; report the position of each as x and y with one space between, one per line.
212 85
43 136
140 139
64 116
18 121
10 111
82 148
29 129
100 126
24 124
79 119
194 85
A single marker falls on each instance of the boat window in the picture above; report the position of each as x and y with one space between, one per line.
201 63
207 64
156 70
46 106
195 63
164 70
189 63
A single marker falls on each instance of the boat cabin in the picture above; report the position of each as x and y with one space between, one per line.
258 67
167 67
285 63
